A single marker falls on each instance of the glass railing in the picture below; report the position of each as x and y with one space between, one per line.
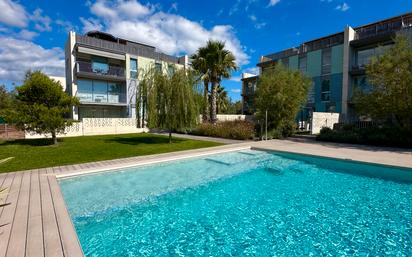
101 97
109 70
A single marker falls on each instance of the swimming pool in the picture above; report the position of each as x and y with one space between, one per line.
248 203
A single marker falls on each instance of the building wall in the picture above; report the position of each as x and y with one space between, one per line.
143 63
294 62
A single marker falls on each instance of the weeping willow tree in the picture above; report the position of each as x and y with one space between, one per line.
172 101
145 85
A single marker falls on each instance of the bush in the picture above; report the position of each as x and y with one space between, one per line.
237 129
379 136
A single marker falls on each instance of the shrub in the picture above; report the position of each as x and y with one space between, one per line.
237 129
380 136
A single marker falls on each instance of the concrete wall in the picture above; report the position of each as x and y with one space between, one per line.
323 119
232 117
97 126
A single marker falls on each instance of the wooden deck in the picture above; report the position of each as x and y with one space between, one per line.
36 223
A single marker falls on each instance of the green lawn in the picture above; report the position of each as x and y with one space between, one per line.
38 153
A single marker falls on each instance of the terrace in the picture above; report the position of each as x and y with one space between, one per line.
37 221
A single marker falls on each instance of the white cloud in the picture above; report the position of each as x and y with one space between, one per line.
343 7
257 24
90 24
173 7
236 90
273 2
13 14
42 23
17 56
170 33
66 25
27 34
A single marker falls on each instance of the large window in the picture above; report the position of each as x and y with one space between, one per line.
133 68
100 64
85 90
97 91
326 61
364 56
325 89
303 63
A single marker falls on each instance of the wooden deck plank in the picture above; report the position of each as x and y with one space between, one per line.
52 244
71 245
34 241
17 241
2 178
8 212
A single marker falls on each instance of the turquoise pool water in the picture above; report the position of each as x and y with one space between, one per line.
247 203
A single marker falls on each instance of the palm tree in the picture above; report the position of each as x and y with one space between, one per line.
221 62
222 100
199 63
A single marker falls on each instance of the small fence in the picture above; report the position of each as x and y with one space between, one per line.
355 125
97 126
232 117
10 132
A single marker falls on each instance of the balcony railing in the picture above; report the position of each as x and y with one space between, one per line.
87 67
101 97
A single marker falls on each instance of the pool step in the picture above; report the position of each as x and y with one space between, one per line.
217 161
273 171
245 153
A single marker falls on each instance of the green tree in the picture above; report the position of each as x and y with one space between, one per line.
6 102
200 65
218 63
281 92
389 97
223 101
234 107
42 105
172 102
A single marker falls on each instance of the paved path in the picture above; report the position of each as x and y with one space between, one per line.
204 138
37 224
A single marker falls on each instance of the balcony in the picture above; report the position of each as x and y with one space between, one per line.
101 98
87 70
358 69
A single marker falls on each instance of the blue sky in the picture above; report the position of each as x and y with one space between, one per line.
33 33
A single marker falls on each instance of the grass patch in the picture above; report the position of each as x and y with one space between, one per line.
38 153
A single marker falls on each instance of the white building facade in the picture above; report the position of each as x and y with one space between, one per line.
103 72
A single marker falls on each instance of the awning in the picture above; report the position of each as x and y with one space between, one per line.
91 51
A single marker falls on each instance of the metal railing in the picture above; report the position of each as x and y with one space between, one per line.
87 67
128 47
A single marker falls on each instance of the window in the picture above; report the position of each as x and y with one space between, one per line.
325 89
99 91
171 69
96 91
158 67
311 94
326 61
133 68
85 90
364 56
303 63
100 65
113 90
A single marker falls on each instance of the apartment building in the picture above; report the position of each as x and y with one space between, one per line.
103 71
335 63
